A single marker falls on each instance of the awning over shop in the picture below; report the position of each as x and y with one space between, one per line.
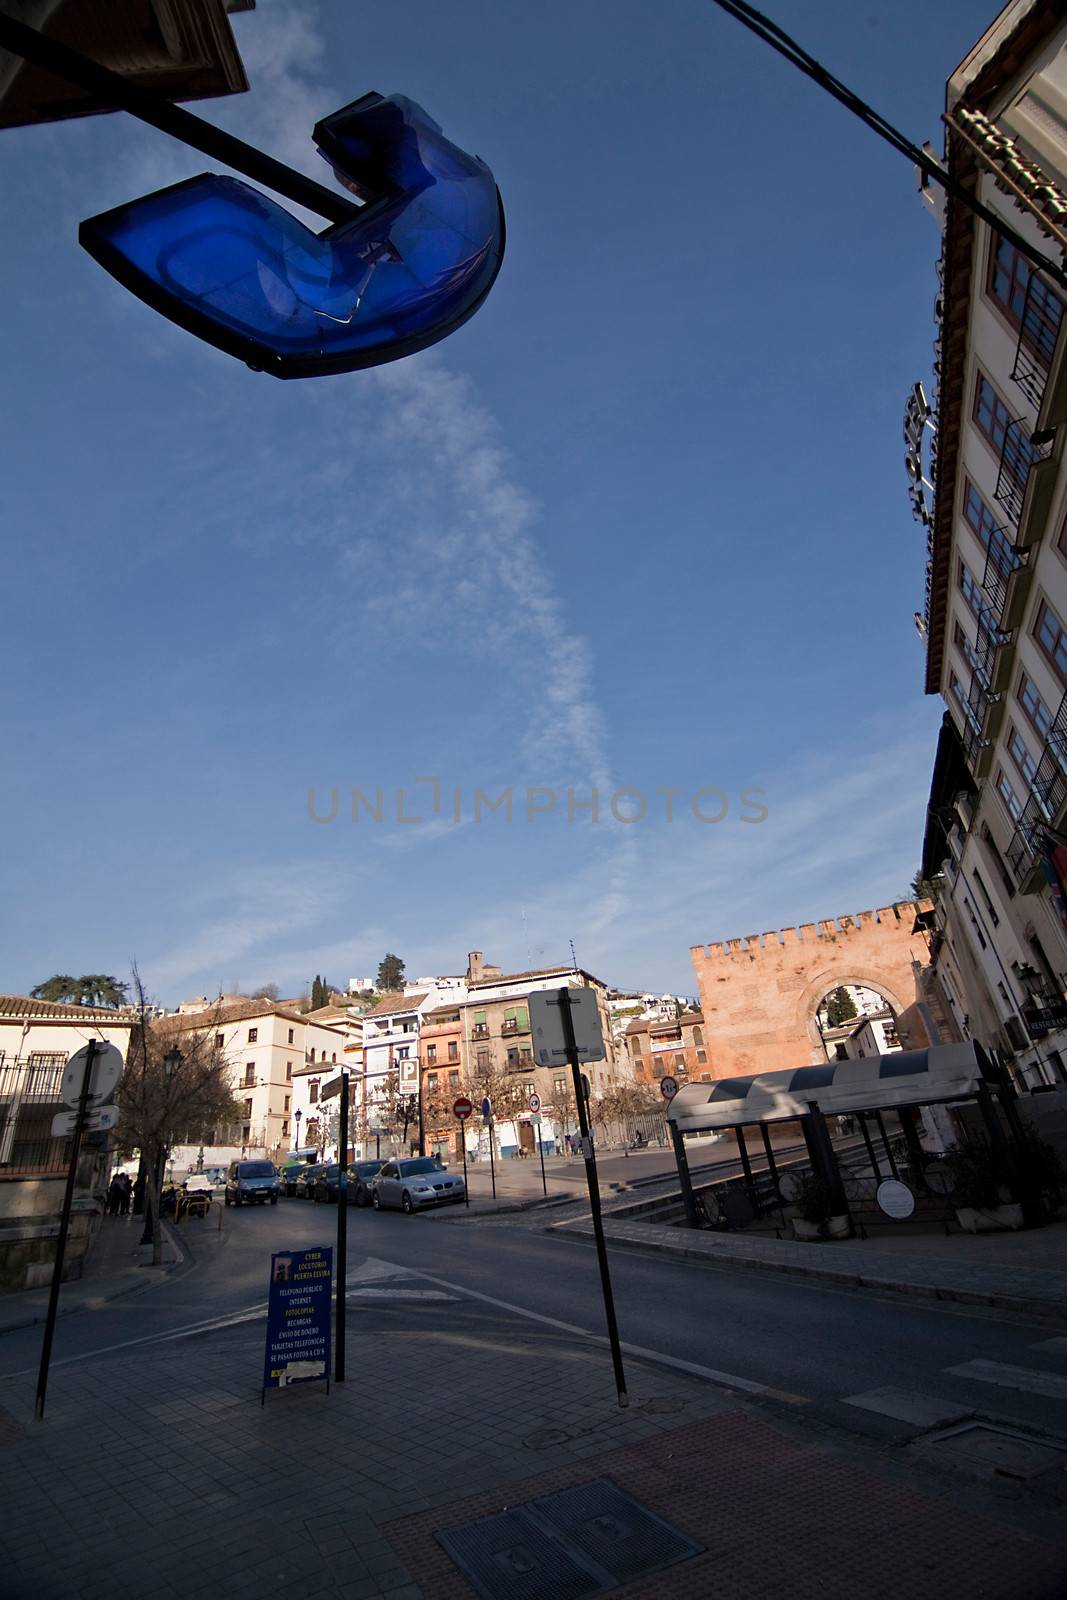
904 1078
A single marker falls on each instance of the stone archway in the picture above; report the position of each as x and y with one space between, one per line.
815 992
759 995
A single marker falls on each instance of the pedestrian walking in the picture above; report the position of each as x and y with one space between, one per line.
138 1194
114 1195
127 1194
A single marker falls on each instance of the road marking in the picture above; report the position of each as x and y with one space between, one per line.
1050 1384
728 1380
370 1293
907 1405
148 1338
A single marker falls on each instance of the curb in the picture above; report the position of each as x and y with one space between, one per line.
134 1287
1021 1305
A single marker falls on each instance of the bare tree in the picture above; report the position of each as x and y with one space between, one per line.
160 1098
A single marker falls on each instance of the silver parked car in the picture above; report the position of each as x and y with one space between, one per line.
414 1184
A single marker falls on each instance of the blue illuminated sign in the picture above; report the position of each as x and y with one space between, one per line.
232 266
298 1318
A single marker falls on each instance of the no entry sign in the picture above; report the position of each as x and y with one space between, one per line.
462 1108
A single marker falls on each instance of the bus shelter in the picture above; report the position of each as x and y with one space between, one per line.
904 1081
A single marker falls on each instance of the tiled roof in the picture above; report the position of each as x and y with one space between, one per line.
537 972
21 1005
394 1003
186 1021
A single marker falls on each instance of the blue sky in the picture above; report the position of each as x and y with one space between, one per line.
641 523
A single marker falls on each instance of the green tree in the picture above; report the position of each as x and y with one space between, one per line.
94 989
390 974
924 888
61 988
320 993
840 1007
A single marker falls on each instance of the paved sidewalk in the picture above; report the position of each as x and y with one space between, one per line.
157 1471
1035 1291
116 1265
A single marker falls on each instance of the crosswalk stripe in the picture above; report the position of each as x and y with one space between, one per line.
1051 1384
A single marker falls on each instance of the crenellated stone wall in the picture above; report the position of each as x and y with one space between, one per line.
760 994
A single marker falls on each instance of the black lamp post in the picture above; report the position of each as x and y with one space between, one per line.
296 1118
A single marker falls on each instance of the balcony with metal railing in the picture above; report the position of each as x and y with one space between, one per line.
1019 454
35 1080
1003 560
1039 332
1047 797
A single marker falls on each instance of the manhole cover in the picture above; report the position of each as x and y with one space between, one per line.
544 1437
990 1450
662 1405
583 1541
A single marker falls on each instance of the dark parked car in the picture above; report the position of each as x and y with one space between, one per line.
287 1176
249 1181
359 1175
305 1184
327 1182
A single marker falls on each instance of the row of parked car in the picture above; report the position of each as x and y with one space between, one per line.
410 1184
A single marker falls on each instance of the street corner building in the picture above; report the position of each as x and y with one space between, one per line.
985 461
37 1038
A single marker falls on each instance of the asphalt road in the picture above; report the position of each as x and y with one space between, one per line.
808 1344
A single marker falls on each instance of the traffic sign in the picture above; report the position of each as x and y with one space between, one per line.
408 1069
535 1102
334 1087
98 1119
668 1088
549 1036
535 1119
462 1108
487 1110
107 1070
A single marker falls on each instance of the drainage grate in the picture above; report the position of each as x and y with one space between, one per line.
583 1541
614 1531
509 1556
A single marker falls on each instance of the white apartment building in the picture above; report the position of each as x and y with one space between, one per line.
266 1044
994 505
37 1037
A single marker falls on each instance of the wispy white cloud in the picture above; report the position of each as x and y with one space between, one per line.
242 918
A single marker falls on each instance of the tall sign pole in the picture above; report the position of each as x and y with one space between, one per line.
342 1238
594 1193
339 1086
462 1110
64 1229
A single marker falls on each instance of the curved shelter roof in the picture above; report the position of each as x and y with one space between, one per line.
902 1078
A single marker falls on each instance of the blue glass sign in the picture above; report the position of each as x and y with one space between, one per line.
298 1318
235 268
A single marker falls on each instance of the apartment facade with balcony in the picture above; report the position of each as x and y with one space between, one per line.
994 505
674 1047
267 1046
37 1037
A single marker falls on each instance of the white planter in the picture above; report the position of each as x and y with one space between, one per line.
993 1219
833 1228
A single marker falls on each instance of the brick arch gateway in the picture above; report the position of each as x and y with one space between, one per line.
759 995
817 990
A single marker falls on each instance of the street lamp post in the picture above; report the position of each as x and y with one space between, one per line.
296 1118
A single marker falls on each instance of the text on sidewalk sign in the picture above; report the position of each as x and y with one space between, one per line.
298 1318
